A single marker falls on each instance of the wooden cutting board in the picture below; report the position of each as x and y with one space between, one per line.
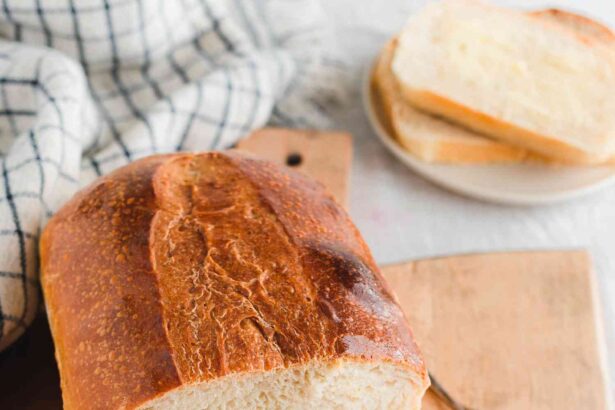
499 331
507 331
325 156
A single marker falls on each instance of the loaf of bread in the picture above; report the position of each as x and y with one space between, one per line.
516 77
216 281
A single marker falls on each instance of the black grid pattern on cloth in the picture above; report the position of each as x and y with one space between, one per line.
89 86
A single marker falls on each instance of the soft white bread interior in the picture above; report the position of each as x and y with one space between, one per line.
433 139
429 138
513 76
343 385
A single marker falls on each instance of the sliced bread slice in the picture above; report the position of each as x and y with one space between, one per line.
514 77
432 139
429 138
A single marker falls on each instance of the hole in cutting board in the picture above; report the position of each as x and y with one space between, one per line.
294 159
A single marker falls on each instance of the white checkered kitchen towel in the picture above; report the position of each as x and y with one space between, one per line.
89 85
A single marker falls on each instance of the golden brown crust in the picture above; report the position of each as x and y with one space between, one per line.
384 86
484 123
101 296
454 152
183 268
581 25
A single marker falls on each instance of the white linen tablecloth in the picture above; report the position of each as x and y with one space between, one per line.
402 216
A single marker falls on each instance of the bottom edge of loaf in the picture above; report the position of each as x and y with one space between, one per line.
343 384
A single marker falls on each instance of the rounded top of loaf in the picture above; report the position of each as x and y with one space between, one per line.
183 268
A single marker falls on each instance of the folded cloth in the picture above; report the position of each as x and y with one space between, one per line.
87 86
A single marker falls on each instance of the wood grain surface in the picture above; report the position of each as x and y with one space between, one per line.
325 156
507 331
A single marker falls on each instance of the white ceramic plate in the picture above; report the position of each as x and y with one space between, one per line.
514 184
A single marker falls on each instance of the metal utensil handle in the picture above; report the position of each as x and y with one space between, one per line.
443 395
